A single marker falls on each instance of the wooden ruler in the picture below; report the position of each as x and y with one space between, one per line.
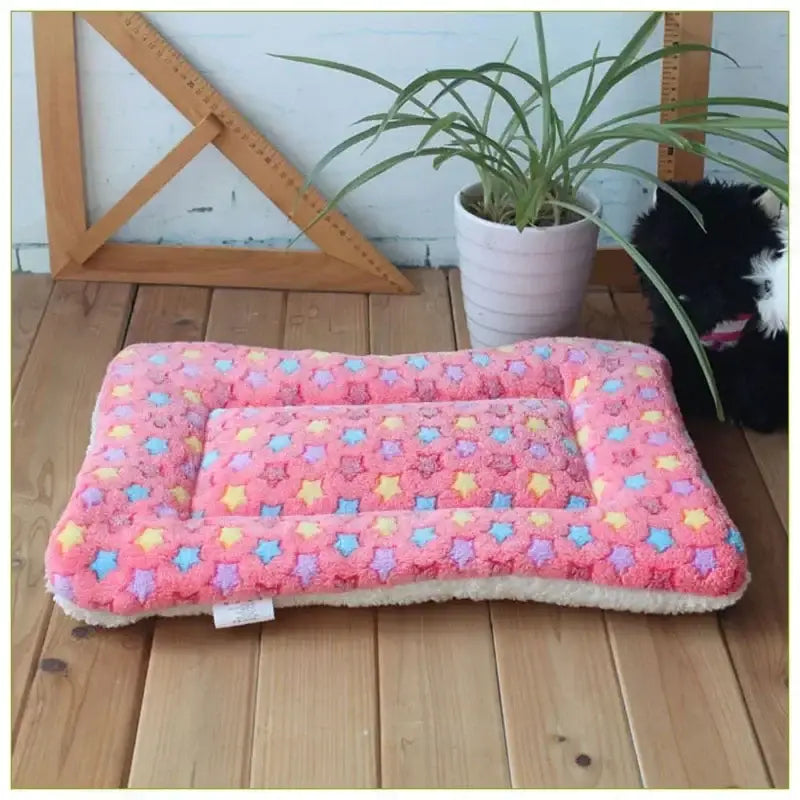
169 71
684 76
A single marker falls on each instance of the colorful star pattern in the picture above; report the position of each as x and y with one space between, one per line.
218 470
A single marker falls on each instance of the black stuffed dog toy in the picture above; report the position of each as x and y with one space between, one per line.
732 280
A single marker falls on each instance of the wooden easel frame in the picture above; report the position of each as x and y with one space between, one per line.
346 261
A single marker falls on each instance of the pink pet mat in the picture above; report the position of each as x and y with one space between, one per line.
555 470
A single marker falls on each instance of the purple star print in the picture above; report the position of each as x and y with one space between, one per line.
391 448
682 487
62 586
704 560
323 378
240 461
462 552
658 438
540 551
256 379
538 450
306 568
142 584
91 496
621 557
465 448
455 373
383 562
226 578
314 453
517 368
577 356
389 376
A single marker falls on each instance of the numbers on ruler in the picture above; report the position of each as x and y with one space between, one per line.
146 36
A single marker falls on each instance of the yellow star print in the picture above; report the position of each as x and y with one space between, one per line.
318 426
234 497
539 483
71 535
245 434
388 486
466 423
616 519
193 443
193 354
582 435
307 529
310 492
506 348
106 473
579 386
256 355
191 395
598 487
123 390
150 538
668 463
695 518
645 372
539 518
319 354
652 416
535 424
120 431
180 494
464 483
229 536
461 518
386 526
392 423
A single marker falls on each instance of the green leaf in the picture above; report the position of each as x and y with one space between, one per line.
648 176
674 304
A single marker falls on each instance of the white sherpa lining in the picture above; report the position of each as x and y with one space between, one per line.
556 591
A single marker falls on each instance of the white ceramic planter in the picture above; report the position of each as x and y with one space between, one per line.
520 285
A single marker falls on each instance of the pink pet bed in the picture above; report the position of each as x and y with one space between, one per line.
552 470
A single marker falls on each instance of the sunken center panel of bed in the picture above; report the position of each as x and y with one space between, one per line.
416 457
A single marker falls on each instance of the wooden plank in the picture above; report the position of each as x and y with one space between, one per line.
51 413
87 713
316 705
197 673
566 728
243 267
144 189
771 452
29 295
195 728
756 629
169 72
614 268
59 130
441 722
703 716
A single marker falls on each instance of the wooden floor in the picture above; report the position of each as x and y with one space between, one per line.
453 695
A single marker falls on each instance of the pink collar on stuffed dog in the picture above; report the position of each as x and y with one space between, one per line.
726 334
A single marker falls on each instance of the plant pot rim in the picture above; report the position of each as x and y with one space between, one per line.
590 202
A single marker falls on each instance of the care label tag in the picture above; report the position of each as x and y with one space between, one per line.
229 615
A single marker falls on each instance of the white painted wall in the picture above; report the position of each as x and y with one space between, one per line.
127 125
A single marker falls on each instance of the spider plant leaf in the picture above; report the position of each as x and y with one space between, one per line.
487 111
547 113
664 290
471 76
439 125
648 176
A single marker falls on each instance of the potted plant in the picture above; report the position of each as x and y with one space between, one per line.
527 230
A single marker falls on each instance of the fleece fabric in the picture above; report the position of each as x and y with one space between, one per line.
552 469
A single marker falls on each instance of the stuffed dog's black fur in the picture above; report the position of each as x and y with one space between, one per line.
708 271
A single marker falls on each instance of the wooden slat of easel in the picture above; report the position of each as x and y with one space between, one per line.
357 264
